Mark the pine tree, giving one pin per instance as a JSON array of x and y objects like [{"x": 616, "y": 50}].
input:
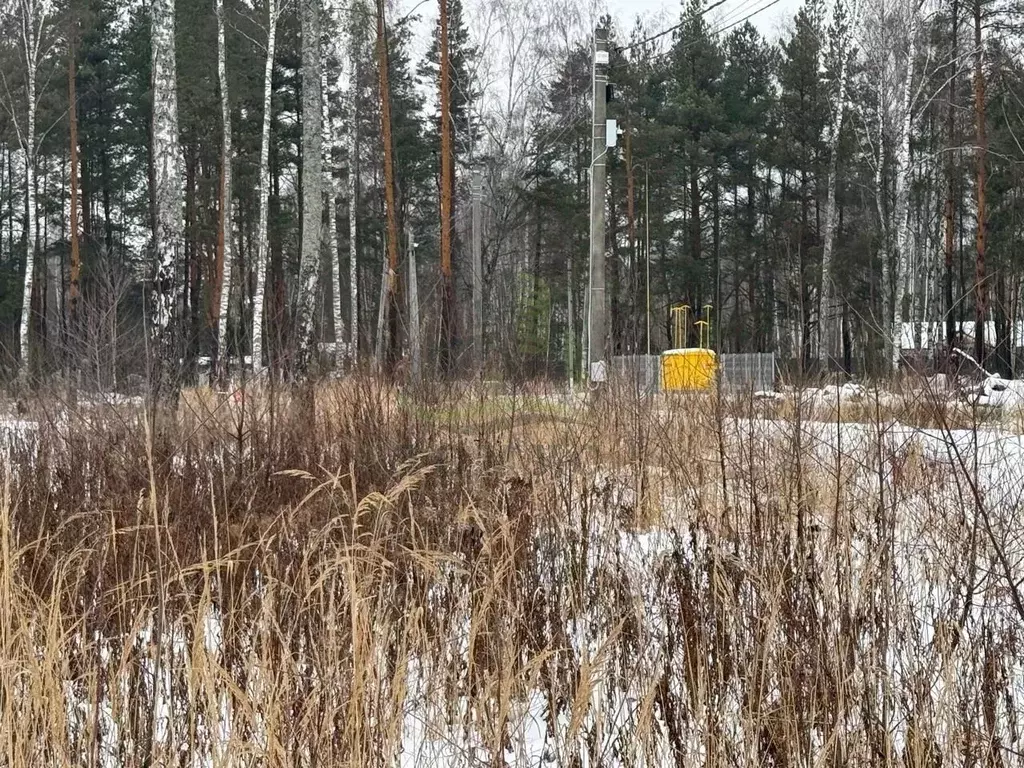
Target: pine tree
[
  {"x": 804, "y": 113},
  {"x": 695, "y": 111}
]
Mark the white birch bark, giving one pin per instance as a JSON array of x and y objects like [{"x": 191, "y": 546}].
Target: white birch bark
[
  {"x": 263, "y": 243},
  {"x": 228, "y": 263},
  {"x": 167, "y": 170},
  {"x": 883, "y": 248},
  {"x": 353, "y": 188},
  {"x": 30, "y": 235},
  {"x": 33, "y": 15},
  {"x": 902, "y": 162},
  {"x": 333, "y": 236},
  {"x": 828, "y": 336},
  {"x": 312, "y": 173}
]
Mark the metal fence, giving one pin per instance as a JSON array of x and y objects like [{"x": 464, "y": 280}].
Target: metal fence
[
  {"x": 752, "y": 372},
  {"x": 641, "y": 373},
  {"x": 739, "y": 372}
]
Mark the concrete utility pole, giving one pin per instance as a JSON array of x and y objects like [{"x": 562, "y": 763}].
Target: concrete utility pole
[
  {"x": 478, "y": 270},
  {"x": 596, "y": 340},
  {"x": 414, "y": 308}
]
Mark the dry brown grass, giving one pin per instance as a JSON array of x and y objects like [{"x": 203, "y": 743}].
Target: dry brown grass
[{"x": 341, "y": 575}]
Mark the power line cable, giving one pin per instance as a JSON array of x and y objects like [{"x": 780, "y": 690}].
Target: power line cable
[
  {"x": 720, "y": 30},
  {"x": 670, "y": 30}
]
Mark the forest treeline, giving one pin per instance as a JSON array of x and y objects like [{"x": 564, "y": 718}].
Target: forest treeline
[{"x": 284, "y": 183}]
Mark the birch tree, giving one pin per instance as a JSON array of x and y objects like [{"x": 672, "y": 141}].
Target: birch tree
[
  {"x": 903, "y": 179},
  {"x": 225, "y": 249},
  {"x": 263, "y": 244},
  {"x": 891, "y": 78},
  {"x": 312, "y": 172},
  {"x": 167, "y": 192},
  {"x": 354, "y": 40},
  {"x": 842, "y": 27},
  {"x": 332, "y": 223},
  {"x": 33, "y": 18}
]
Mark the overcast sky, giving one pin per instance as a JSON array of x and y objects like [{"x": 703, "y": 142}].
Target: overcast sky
[
  {"x": 771, "y": 17},
  {"x": 769, "y": 21}
]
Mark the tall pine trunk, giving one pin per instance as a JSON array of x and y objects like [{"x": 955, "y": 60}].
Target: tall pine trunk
[
  {"x": 167, "y": 195},
  {"x": 225, "y": 248},
  {"x": 312, "y": 175},
  {"x": 262, "y": 240}
]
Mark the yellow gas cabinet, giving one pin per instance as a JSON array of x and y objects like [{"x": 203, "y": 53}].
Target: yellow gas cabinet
[{"x": 689, "y": 368}]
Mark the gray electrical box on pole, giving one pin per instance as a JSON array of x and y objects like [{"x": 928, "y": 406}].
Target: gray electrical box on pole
[{"x": 597, "y": 344}]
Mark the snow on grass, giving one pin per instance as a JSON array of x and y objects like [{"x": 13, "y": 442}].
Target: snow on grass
[{"x": 655, "y": 609}]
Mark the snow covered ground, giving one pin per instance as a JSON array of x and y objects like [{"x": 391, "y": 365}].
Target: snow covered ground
[{"x": 683, "y": 638}]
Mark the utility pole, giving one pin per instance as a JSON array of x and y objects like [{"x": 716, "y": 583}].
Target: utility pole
[
  {"x": 414, "y": 307},
  {"x": 478, "y": 271},
  {"x": 596, "y": 341}
]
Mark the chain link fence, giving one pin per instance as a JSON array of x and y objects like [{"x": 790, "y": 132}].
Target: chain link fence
[
  {"x": 739, "y": 372},
  {"x": 749, "y": 372},
  {"x": 640, "y": 373}
]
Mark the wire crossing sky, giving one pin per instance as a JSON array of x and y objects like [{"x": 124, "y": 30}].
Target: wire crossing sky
[{"x": 668, "y": 12}]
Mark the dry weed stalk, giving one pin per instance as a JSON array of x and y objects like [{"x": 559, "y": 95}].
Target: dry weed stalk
[{"x": 361, "y": 576}]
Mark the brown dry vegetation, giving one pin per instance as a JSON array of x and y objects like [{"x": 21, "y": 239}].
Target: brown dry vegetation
[{"x": 352, "y": 575}]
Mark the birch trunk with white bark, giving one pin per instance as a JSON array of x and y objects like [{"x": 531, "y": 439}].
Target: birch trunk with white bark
[
  {"x": 33, "y": 17},
  {"x": 902, "y": 162},
  {"x": 312, "y": 174},
  {"x": 828, "y": 328},
  {"x": 30, "y": 233},
  {"x": 353, "y": 190},
  {"x": 333, "y": 235},
  {"x": 226, "y": 260},
  {"x": 883, "y": 221},
  {"x": 167, "y": 192},
  {"x": 263, "y": 244}
]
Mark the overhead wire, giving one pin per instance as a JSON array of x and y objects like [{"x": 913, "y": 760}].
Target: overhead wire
[
  {"x": 670, "y": 30},
  {"x": 719, "y": 30}
]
